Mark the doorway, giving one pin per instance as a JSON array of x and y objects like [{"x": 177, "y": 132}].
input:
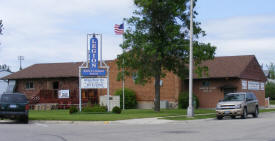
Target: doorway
[
  {"x": 229, "y": 90},
  {"x": 92, "y": 96}
]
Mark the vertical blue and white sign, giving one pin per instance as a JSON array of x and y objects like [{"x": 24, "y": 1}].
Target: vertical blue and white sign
[
  {"x": 93, "y": 53},
  {"x": 93, "y": 69}
]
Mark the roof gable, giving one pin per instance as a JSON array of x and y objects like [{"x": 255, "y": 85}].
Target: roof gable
[
  {"x": 52, "y": 70},
  {"x": 253, "y": 71},
  {"x": 228, "y": 66}
]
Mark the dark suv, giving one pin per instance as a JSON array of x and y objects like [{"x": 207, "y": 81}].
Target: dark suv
[
  {"x": 14, "y": 106},
  {"x": 238, "y": 104}
]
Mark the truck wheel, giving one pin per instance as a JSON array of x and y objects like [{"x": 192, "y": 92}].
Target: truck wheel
[
  {"x": 25, "y": 119},
  {"x": 256, "y": 113},
  {"x": 219, "y": 117},
  {"x": 244, "y": 113}
]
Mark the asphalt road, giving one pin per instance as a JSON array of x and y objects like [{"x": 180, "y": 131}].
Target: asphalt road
[{"x": 251, "y": 129}]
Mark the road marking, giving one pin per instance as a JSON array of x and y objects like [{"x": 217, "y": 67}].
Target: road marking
[{"x": 41, "y": 125}]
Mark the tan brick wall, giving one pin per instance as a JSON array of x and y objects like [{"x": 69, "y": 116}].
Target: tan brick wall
[
  {"x": 209, "y": 96},
  {"x": 43, "y": 84},
  {"x": 260, "y": 94},
  {"x": 169, "y": 90}
]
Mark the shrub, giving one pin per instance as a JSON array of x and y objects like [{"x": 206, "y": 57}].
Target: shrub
[
  {"x": 116, "y": 110},
  {"x": 73, "y": 109},
  {"x": 183, "y": 100},
  {"x": 130, "y": 98},
  {"x": 270, "y": 90},
  {"x": 95, "y": 109}
]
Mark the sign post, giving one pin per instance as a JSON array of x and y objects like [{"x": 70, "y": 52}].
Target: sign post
[{"x": 91, "y": 76}]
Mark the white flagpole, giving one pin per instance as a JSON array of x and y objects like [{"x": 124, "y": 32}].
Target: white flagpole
[
  {"x": 190, "y": 110},
  {"x": 123, "y": 95}
]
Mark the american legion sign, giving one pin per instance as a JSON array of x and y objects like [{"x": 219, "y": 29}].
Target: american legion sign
[
  {"x": 93, "y": 69},
  {"x": 91, "y": 76}
]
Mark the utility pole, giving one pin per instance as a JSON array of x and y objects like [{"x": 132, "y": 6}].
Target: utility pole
[
  {"x": 20, "y": 58},
  {"x": 190, "y": 110}
]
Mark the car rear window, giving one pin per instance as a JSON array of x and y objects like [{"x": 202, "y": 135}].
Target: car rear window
[{"x": 13, "y": 98}]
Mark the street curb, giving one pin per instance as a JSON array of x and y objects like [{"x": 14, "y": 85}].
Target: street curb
[{"x": 68, "y": 122}]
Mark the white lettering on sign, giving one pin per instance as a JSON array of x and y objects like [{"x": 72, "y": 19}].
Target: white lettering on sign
[
  {"x": 88, "y": 83},
  {"x": 64, "y": 94},
  {"x": 253, "y": 85},
  {"x": 262, "y": 86},
  {"x": 244, "y": 84}
]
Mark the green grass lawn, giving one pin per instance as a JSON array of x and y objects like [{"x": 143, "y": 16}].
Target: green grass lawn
[
  {"x": 126, "y": 114},
  {"x": 272, "y": 102},
  {"x": 173, "y": 114}
]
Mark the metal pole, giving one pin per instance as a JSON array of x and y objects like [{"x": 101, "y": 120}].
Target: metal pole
[
  {"x": 20, "y": 58},
  {"x": 100, "y": 50},
  {"x": 79, "y": 83},
  {"x": 108, "y": 89},
  {"x": 87, "y": 64},
  {"x": 190, "y": 111},
  {"x": 123, "y": 83}
]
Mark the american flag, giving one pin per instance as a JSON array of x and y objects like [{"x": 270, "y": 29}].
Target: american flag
[{"x": 119, "y": 29}]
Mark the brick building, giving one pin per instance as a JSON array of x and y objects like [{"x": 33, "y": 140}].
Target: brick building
[{"x": 225, "y": 74}]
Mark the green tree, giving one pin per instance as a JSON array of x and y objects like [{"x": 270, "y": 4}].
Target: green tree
[
  {"x": 130, "y": 98},
  {"x": 5, "y": 67},
  {"x": 1, "y": 27},
  {"x": 270, "y": 90},
  {"x": 271, "y": 69},
  {"x": 157, "y": 42}
]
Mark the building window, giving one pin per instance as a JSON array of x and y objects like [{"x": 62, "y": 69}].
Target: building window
[
  {"x": 134, "y": 77},
  {"x": 55, "y": 85},
  {"x": 205, "y": 83},
  {"x": 29, "y": 85}
]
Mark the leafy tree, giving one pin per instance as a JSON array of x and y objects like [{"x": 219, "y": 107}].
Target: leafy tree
[
  {"x": 5, "y": 67},
  {"x": 1, "y": 27},
  {"x": 271, "y": 69},
  {"x": 157, "y": 42},
  {"x": 270, "y": 90},
  {"x": 130, "y": 98}
]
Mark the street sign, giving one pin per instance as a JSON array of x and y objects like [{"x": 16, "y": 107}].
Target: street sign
[{"x": 64, "y": 94}]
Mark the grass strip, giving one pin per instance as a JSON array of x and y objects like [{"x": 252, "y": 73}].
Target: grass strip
[
  {"x": 272, "y": 102},
  {"x": 126, "y": 114},
  {"x": 172, "y": 114}
]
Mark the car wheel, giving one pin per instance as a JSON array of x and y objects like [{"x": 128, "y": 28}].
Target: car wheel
[
  {"x": 219, "y": 117},
  {"x": 25, "y": 119},
  {"x": 233, "y": 117},
  {"x": 256, "y": 113},
  {"x": 244, "y": 113}
]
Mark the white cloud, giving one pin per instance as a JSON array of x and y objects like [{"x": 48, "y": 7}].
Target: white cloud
[
  {"x": 240, "y": 27},
  {"x": 254, "y": 35},
  {"x": 55, "y": 31}
]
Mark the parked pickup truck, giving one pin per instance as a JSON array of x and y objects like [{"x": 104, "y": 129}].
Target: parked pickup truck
[{"x": 14, "y": 106}]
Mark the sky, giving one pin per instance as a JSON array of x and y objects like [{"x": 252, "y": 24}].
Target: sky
[{"x": 50, "y": 31}]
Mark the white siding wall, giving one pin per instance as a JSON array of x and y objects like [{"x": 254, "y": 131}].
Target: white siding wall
[{"x": 3, "y": 83}]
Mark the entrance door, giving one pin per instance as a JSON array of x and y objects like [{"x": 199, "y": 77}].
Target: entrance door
[
  {"x": 229, "y": 90},
  {"x": 92, "y": 96}
]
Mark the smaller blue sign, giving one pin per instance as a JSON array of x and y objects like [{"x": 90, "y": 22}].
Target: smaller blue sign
[{"x": 93, "y": 72}]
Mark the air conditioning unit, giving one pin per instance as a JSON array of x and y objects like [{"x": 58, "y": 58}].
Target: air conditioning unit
[{"x": 164, "y": 104}]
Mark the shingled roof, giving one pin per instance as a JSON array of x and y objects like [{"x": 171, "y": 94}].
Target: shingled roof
[
  {"x": 246, "y": 67},
  {"x": 51, "y": 70}
]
